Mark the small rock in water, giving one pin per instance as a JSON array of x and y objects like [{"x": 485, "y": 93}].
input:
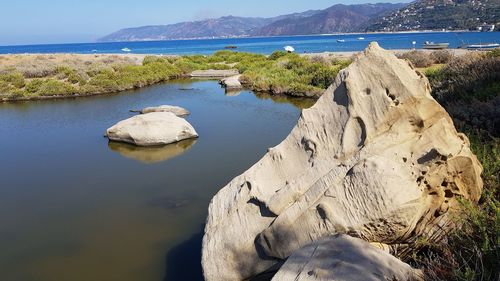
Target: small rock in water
[
  {"x": 232, "y": 83},
  {"x": 177, "y": 110},
  {"x": 156, "y": 128}
]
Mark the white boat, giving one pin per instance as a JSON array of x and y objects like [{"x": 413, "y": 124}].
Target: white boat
[
  {"x": 435, "y": 46},
  {"x": 126, "y": 50},
  {"x": 289, "y": 49},
  {"x": 361, "y": 38},
  {"x": 488, "y": 46},
  {"x": 340, "y": 40}
]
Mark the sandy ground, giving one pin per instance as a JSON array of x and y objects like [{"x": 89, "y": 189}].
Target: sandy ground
[{"x": 15, "y": 59}]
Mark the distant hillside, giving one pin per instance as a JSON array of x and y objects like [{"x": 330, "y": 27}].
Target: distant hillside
[
  {"x": 221, "y": 27},
  {"x": 439, "y": 14},
  {"x": 338, "y": 18}
]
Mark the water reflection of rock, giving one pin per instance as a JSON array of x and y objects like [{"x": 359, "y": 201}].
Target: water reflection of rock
[
  {"x": 233, "y": 93},
  {"x": 298, "y": 102},
  {"x": 151, "y": 155}
]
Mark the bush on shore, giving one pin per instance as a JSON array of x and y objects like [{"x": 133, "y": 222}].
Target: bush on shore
[
  {"x": 280, "y": 73},
  {"x": 291, "y": 74}
]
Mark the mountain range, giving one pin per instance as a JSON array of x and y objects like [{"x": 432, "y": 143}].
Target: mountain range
[
  {"x": 418, "y": 15},
  {"x": 338, "y": 18}
]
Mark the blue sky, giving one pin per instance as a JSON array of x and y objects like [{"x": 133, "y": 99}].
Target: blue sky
[{"x": 58, "y": 21}]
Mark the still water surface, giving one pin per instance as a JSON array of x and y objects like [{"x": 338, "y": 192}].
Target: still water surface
[{"x": 75, "y": 208}]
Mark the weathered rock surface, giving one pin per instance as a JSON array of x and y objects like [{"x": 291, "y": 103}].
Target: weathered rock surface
[
  {"x": 177, "y": 110},
  {"x": 157, "y": 128},
  {"x": 214, "y": 73},
  {"x": 232, "y": 83},
  {"x": 376, "y": 157},
  {"x": 344, "y": 258}
]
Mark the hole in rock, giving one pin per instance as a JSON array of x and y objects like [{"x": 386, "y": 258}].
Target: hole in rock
[{"x": 264, "y": 210}]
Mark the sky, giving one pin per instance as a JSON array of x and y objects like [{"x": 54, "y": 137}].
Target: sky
[{"x": 73, "y": 21}]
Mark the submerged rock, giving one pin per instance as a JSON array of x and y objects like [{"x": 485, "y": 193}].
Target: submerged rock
[
  {"x": 157, "y": 128},
  {"x": 344, "y": 258},
  {"x": 376, "y": 157},
  {"x": 177, "y": 110}
]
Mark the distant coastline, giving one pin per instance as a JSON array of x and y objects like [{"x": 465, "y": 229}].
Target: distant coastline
[
  {"x": 297, "y": 35},
  {"x": 312, "y": 43}
]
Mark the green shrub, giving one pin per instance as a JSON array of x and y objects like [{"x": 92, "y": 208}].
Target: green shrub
[
  {"x": 15, "y": 79},
  {"x": 277, "y": 55},
  {"x": 50, "y": 87}
]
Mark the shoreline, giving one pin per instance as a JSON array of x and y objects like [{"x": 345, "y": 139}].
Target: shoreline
[
  {"x": 249, "y": 37},
  {"x": 137, "y": 56}
]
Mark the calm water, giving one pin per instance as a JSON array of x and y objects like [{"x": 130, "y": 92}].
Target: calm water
[
  {"x": 266, "y": 45},
  {"x": 75, "y": 208}
]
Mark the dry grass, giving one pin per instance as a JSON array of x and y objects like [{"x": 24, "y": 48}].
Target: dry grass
[{"x": 37, "y": 66}]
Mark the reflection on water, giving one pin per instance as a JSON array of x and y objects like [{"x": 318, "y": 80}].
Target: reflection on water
[
  {"x": 151, "y": 155},
  {"x": 233, "y": 93},
  {"x": 301, "y": 103},
  {"x": 73, "y": 208}
]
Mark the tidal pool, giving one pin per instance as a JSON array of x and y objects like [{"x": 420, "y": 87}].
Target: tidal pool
[{"x": 74, "y": 207}]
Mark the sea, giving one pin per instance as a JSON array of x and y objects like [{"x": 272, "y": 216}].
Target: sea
[{"x": 265, "y": 45}]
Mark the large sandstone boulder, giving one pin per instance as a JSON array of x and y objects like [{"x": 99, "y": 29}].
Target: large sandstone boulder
[
  {"x": 376, "y": 157},
  {"x": 157, "y": 128},
  {"x": 177, "y": 110},
  {"x": 344, "y": 258}
]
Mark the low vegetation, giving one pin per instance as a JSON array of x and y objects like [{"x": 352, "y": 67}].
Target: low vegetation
[
  {"x": 50, "y": 76},
  {"x": 422, "y": 59},
  {"x": 468, "y": 87}
]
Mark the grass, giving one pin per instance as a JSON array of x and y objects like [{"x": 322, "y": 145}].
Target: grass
[
  {"x": 26, "y": 77},
  {"x": 290, "y": 74}
]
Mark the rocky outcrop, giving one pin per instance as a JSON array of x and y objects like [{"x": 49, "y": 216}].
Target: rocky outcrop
[
  {"x": 232, "y": 83},
  {"x": 376, "y": 157},
  {"x": 177, "y": 110},
  {"x": 157, "y": 128},
  {"x": 344, "y": 258},
  {"x": 214, "y": 73}
]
